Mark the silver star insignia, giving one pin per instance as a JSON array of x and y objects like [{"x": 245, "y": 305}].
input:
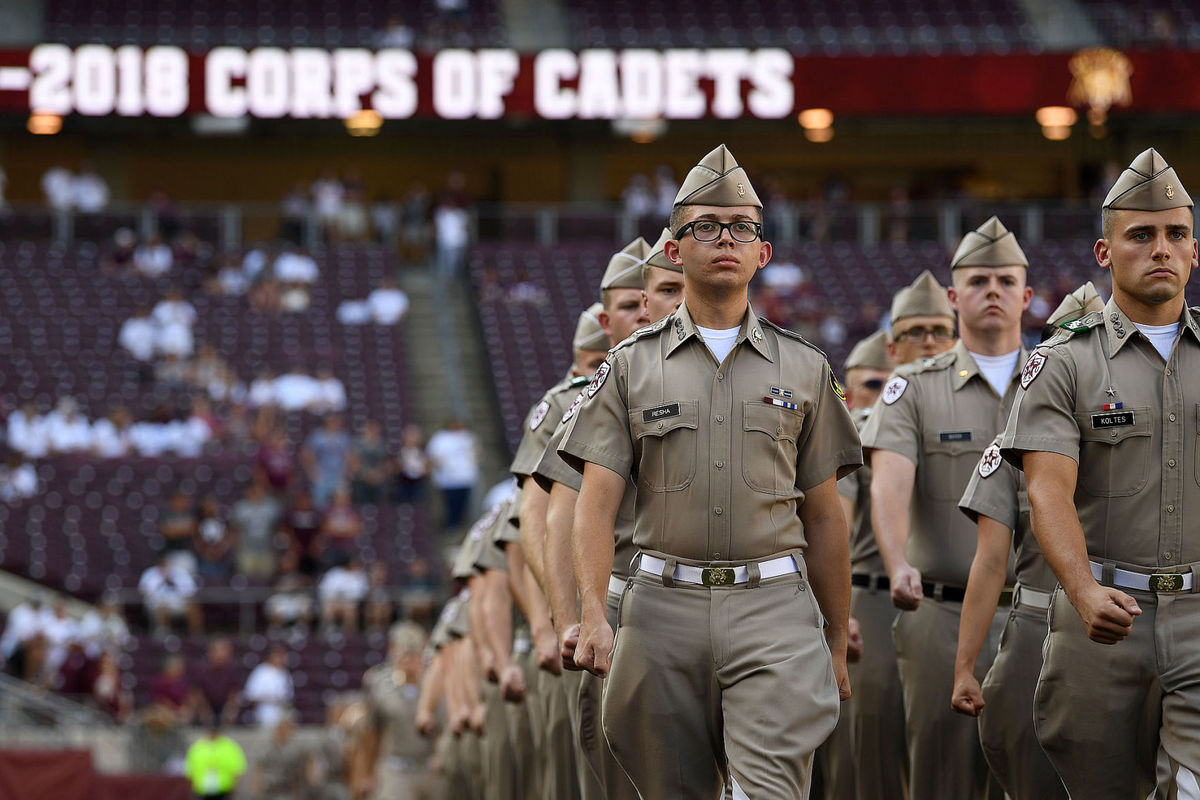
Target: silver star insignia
[{"x": 1111, "y": 392}]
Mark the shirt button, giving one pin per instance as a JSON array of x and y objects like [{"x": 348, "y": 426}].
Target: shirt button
[
  {"x": 660, "y": 426},
  {"x": 721, "y": 376},
  {"x": 720, "y": 465},
  {"x": 1170, "y": 509},
  {"x": 1172, "y": 418},
  {"x": 1112, "y": 434},
  {"x": 720, "y": 418},
  {"x": 1167, "y": 556},
  {"x": 1168, "y": 370},
  {"x": 1171, "y": 463},
  {"x": 718, "y": 511},
  {"x": 716, "y": 556}
]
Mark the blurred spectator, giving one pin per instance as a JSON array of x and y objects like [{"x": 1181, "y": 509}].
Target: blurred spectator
[
  {"x": 156, "y": 740},
  {"x": 388, "y": 304},
  {"x": 58, "y": 185},
  {"x": 378, "y": 607},
  {"x": 412, "y": 466},
  {"x": 294, "y": 209},
  {"x": 294, "y": 298},
  {"x": 454, "y": 457},
  {"x": 171, "y": 372},
  {"x": 119, "y": 259},
  {"x": 255, "y": 518},
  {"x": 397, "y": 34},
  {"x": 177, "y": 524},
  {"x": 108, "y": 691},
  {"x": 169, "y": 689},
  {"x": 352, "y": 222},
  {"x": 75, "y": 674},
  {"x": 331, "y": 392},
  {"x": 420, "y": 590},
  {"x": 153, "y": 258},
  {"x": 325, "y": 456},
  {"x": 214, "y": 764},
  {"x": 279, "y": 773},
  {"x": 341, "y": 592},
  {"x": 229, "y": 279},
  {"x": 295, "y": 266},
  {"x": 175, "y": 317},
  {"x": 302, "y": 523},
  {"x": 369, "y": 465},
  {"x": 274, "y": 461},
  {"x": 637, "y": 199},
  {"x": 254, "y": 262},
  {"x": 27, "y": 432},
  {"x": 262, "y": 389},
  {"x": 103, "y": 629},
  {"x": 67, "y": 429},
  {"x": 167, "y": 591},
  {"x": 452, "y": 225},
  {"x": 269, "y": 688},
  {"x": 414, "y": 223},
  {"x": 23, "y": 644},
  {"x": 166, "y": 215},
  {"x": 213, "y": 375},
  {"x": 89, "y": 190},
  {"x": 385, "y": 219},
  {"x": 139, "y": 335},
  {"x": 665, "y": 189},
  {"x": 213, "y": 540},
  {"x": 18, "y": 479},
  {"x": 60, "y": 629},
  {"x": 291, "y": 602},
  {"x": 264, "y": 295},
  {"x": 295, "y": 390},
  {"x": 327, "y": 193},
  {"x": 898, "y": 214},
  {"x": 216, "y": 684},
  {"x": 833, "y": 331},
  {"x": 340, "y": 528}
]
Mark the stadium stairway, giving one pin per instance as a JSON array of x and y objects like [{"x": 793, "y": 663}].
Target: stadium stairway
[{"x": 1061, "y": 24}]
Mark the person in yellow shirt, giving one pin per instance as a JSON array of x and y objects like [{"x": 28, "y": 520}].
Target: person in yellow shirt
[{"x": 214, "y": 764}]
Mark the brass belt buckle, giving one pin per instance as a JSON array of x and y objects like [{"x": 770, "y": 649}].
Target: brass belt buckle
[
  {"x": 716, "y": 576},
  {"x": 1166, "y": 582}
]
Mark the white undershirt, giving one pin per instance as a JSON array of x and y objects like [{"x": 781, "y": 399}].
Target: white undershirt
[
  {"x": 1161, "y": 336},
  {"x": 719, "y": 342},
  {"x": 997, "y": 370}
]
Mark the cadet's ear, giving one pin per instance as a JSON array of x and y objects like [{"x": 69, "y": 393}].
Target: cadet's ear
[
  {"x": 1103, "y": 254},
  {"x": 671, "y": 251}
]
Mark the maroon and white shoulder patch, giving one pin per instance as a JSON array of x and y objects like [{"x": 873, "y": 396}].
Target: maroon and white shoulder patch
[
  {"x": 571, "y": 409},
  {"x": 539, "y": 415},
  {"x": 1032, "y": 367},
  {"x": 990, "y": 461},
  {"x": 894, "y": 389},
  {"x": 598, "y": 379}
]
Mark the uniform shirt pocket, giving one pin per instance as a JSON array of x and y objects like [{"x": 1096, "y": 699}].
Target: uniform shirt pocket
[
  {"x": 951, "y": 456},
  {"x": 769, "y": 446},
  {"x": 1113, "y": 461},
  {"x": 666, "y": 434}
]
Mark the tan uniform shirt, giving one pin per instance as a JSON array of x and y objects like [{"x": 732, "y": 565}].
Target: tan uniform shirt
[
  {"x": 541, "y": 422},
  {"x": 856, "y": 487},
  {"x": 393, "y": 707},
  {"x": 1138, "y": 490},
  {"x": 721, "y": 470},
  {"x": 940, "y": 413},
  {"x": 997, "y": 490},
  {"x": 490, "y": 554},
  {"x": 472, "y": 545},
  {"x": 440, "y": 636}
]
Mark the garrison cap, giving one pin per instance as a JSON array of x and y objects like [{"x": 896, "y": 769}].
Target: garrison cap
[
  {"x": 588, "y": 333},
  {"x": 924, "y": 297},
  {"x": 1083, "y": 300},
  {"x": 406, "y": 637},
  {"x": 717, "y": 181},
  {"x": 870, "y": 353},
  {"x": 658, "y": 258},
  {"x": 989, "y": 245},
  {"x": 625, "y": 268},
  {"x": 1149, "y": 183}
]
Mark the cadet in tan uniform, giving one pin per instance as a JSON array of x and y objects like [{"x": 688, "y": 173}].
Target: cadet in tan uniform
[
  {"x": 1107, "y": 430},
  {"x": 922, "y": 326},
  {"x": 400, "y": 755},
  {"x": 996, "y": 501},
  {"x": 735, "y": 432},
  {"x": 925, "y": 437},
  {"x": 602, "y": 777}
]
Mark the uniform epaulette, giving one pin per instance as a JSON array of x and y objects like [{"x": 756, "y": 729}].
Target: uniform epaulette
[
  {"x": 642, "y": 333},
  {"x": 791, "y": 335},
  {"x": 932, "y": 363},
  {"x": 577, "y": 382},
  {"x": 1084, "y": 323}
]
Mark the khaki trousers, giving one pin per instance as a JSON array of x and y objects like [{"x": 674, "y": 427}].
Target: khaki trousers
[
  {"x": 560, "y": 778},
  {"x": 1006, "y": 725},
  {"x": 707, "y": 682},
  {"x": 1102, "y": 711},
  {"x": 834, "y": 768},
  {"x": 499, "y": 757},
  {"x": 468, "y": 750},
  {"x": 945, "y": 757},
  {"x": 521, "y": 727},
  {"x": 395, "y": 783},
  {"x": 876, "y": 707}
]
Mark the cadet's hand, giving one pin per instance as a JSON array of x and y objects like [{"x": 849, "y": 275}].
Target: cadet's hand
[
  {"x": 966, "y": 698},
  {"x": 460, "y": 722},
  {"x": 488, "y": 662},
  {"x": 595, "y": 646},
  {"x": 854, "y": 642},
  {"x": 425, "y": 724},
  {"x": 1107, "y": 614},
  {"x": 512, "y": 684},
  {"x": 906, "y": 588},
  {"x": 570, "y": 639},
  {"x": 842, "y": 675},
  {"x": 545, "y": 643}
]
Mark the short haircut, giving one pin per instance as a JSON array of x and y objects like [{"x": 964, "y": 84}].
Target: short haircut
[{"x": 1108, "y": 220}]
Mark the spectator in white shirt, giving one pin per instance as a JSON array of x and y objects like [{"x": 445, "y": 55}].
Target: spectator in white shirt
[
  {"x": 327, "y": 192},
  {"x": 293, "y": 266},
  {"x": 331, "y": 392},
  {"x": 454, "y": 456},
  {"x": 58, "y": 184},
  {"x": 387, "y": 303},
  {"x": 103, "y": 629},
  {"x": 18, "y": 479},
  {"x": 262, "y": 390},
  {"x": 139, "y": 335},
  {"x": 68, "y": 430},
  {"x": 341, "y": 592},
  {"x": 269, "y": 688},
  {"x": 110, "y": 435},
  {"x": 175, "y": 317},
  {"x": 60, "y": 630},
  {"x": 90, "y": 190},
  {"x": 23, "y": 644},
  {"x": 296, "y": 390},
  {"x": 168, "y": 591},
  {"x": 153, "y": 258},
  {"x": 27, "y": 432},
  {"x": 150, "y": 439}
]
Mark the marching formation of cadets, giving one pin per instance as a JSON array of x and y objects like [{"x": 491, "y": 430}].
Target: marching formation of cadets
[{"x": 720, "y": 597}]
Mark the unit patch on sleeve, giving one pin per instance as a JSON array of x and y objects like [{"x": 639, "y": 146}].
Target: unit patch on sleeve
[
  {"x": 539, "y": 415},
  {"x": 598, "y": 380},
  {"x": 571, "y": 409},
  {"x": 1032, "y": 367},
  {"x": 894, "y": 389},
  {"x": 990, "y": 461}
]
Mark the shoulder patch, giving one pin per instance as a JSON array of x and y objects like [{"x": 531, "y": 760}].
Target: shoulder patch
[
  {"x": 598, "y": 379},
  {"x": 571, "y": 409},
  {"x": 579, "y": 381},
  {"x": 833, "y": 384},
  {"x": 894, "y": 390},
  {"x": 539, "y": 415},
  {"x": 1033, "y": 366},
  {"x": 1084, "y": 323},
  {"x": 990, "y": 461}
]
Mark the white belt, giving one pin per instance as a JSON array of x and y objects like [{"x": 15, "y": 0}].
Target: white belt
[
  {"x": 719, "y": 576},
  {"x": 1031, "y": 598},
  {"x": 1147, "y": 582},
  {"x": 616, "y": 586}
]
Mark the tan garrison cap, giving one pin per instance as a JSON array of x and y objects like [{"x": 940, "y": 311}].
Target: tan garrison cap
[
  {"x": 658, "y": 258},
  {"x": 588, "y": 333},
  {"x": 407, "y": 637},
  {"x": 717, "y": 181},
  {"x": 870, "y": 353},
  {"x": 625, "y": 268},
  {"x": 1149, "y": 183},
  {"x": 924, "y": 297},
  {"x": 989, "y": 245},
  {"x": 1083, "y": 300}
]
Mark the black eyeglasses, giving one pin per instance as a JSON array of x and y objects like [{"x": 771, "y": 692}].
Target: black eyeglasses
[
  {"x": 873, "y": 384},
  {"x": 709, "y": 230},
  {"x": 918, "y": 335}
]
